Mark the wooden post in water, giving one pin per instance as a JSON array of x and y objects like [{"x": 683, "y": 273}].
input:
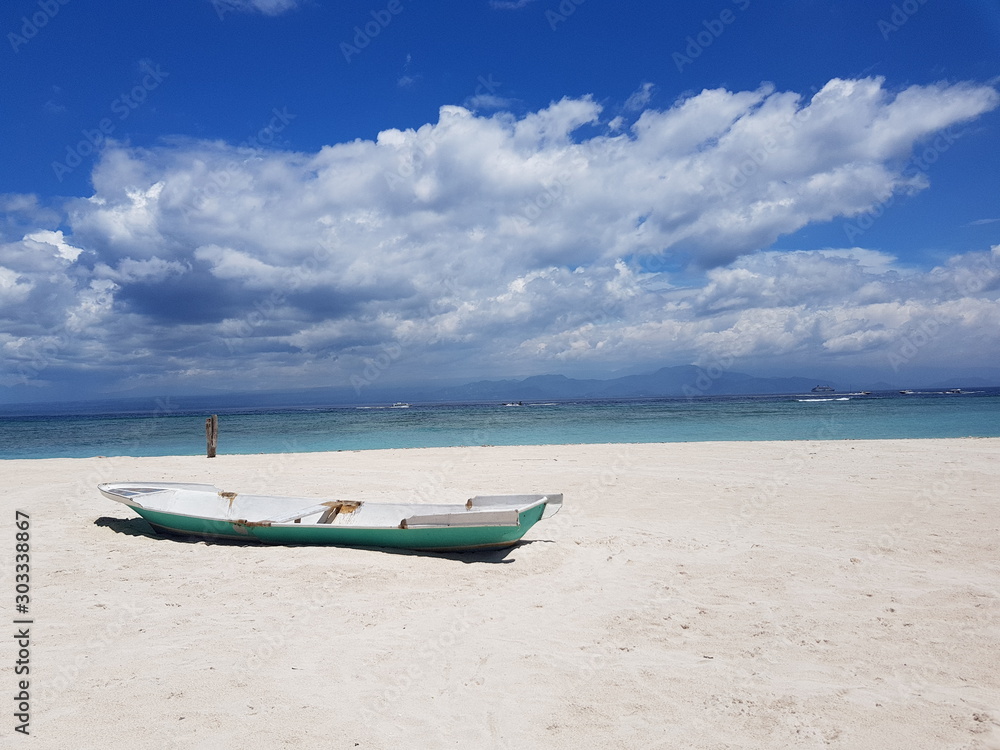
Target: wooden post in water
[{"x": 212, "y": 434}]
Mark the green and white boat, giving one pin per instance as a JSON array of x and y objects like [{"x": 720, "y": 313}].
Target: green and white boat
[{"x": 482, "y": 522}]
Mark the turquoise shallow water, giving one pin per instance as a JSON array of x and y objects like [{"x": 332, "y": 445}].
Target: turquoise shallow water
[{"x": 163, "y": 431}]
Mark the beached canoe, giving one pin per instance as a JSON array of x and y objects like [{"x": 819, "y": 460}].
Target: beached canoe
[{"x": 204, "y": 510}]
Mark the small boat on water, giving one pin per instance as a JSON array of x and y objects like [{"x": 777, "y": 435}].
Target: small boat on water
[
  {"x": 485, "y": 521},
  {"x": 823, "y": 389}
]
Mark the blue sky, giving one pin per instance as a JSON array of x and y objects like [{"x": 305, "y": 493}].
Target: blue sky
[{"x": 270, "y": 194}]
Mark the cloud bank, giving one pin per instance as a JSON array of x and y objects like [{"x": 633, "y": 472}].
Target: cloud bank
[{"x": 499, "y": 245}]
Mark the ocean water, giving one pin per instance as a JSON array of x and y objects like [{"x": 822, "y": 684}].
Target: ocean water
[{"x": 163, "y": 431}]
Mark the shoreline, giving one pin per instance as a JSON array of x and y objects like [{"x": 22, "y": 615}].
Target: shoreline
[
  {"x": 840, "y": 593},
  {"x": 195, "y": 456}
]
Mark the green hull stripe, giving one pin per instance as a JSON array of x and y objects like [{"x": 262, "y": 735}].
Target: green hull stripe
[{"x": 449, "y": 538}]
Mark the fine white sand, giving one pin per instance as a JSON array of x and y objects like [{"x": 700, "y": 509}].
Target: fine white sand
[{"x": 698, "y": 595}]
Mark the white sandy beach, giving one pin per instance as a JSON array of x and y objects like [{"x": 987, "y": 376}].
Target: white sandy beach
[{"x": 695, "y": 595}]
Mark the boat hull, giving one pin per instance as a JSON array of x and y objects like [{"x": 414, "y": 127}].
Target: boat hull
[
  {"x": 205, "y": 511},
  {"x": 429, "y": 539}
]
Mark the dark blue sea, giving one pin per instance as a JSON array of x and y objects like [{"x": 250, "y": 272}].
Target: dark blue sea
[{"x": 162, "y": 429}]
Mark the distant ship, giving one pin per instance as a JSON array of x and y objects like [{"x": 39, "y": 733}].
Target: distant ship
[{"x": 823, "y": 389}]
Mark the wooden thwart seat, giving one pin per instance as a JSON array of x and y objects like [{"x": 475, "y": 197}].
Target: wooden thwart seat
[{"x": 329, "y": 511}]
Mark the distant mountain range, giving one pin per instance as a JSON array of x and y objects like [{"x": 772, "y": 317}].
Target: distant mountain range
[
  {"x": 667, "y": 382},
  {"x": 683, "y": 380}
]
